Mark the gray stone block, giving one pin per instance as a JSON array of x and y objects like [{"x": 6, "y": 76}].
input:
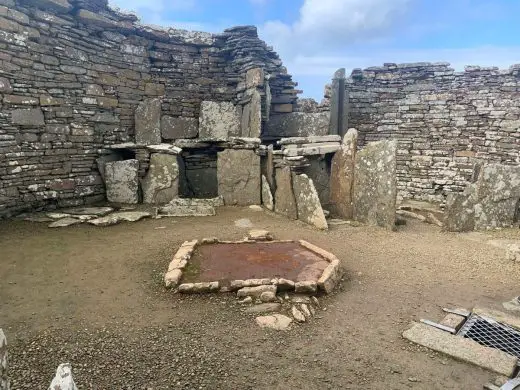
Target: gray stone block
[
  {"x": 179, "y": 127},
  {"x": 121, "y": 181},
  {"x": 148, "y": 122},
  {"x": 298, "y": 124},
  {"x": 28, "y": 117},
  {"x": 284, "y": 201},
  {"x": 218, "y": 120}
]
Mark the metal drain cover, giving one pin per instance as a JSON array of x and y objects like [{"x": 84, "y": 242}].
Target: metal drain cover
[{"x": 491, "y": 333}]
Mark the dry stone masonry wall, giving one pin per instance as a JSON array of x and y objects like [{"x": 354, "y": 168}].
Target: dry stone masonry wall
[
  {"x": 74, "y": 72},
  {"x": 444, "y": 121}
]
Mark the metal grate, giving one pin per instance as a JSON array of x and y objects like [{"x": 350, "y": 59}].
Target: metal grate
[{"x": 491, "y": 333}]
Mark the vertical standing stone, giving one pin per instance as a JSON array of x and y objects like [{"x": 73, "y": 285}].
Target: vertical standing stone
[
  {"x": 161, "y": 183},
  {"x": 4, "y": 381},
  {"x": 255, "y": 115},
  {"x": 148, "y": 122},
  {"x": 338, "y": 104},
  {"x": 121, "y": 181},
  {"x": 267, "y": 196},
  {"x": 284, "y": 200},
  {"x": 238, "y": 174},
  {"x": 308, "y": 202},
  {"x": 342, "y": 177},
  {"x": 269, "y": 168},
  {"x": 375, "y": 187},
  {"x": 63, "y": 379}
]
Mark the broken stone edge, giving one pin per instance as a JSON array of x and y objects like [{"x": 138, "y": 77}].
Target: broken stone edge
[{"x": 326, "y": 283}]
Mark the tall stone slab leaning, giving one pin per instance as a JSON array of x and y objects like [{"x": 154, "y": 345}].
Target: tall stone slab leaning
[
  {"x": 148, "y": 122},
  {"x": 121, "y": 181},
  {"x": 284, "y": 200},
  {"x": 4, "y": 381},
  {"x": 342, "y": 177},
  {"x": 238, "y": 174},
  {"x": 375, "y": 184},
  {"x": 308, "y": 202},
  {"x": 63, "y": 379},
  {"x": 161, "y": 183}
]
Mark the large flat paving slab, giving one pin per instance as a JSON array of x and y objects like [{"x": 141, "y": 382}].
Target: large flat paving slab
[{"x": 460, "y": 348}]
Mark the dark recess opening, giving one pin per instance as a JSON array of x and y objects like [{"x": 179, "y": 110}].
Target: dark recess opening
[{"x": 198, "y": 174}]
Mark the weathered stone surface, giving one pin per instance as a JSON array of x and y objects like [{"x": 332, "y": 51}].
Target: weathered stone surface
[
  {"x": 264, "y": 308},
  {"x": 298, "y": 124},
  {"x": 259, "y": 235},
  {"x": 267, "y": 196},
  {"x": 268, "y": 296},
  {"x": 218, "y": 120},
  {"x": 308, "y": 202},
  {"x": 275, "y": 321},
  {"x": 98, "y": 211},
  {"x": 4, "y": 381},
  {"x": 513, "y": 252},
  {"x": 342, "y": 177},
  {"x": 306, "y": 287},
  {"x": 148, "y": 122},
  {"x": 172, "y": 278},
  {"x": 179, "y": 127},
  {"x": 490, "y": 203},
  {"x": 64, "y": 222},
  {"x": 338, "y": 104},
  {"x": 28, "y": 117},
  {"x": 243, "y": 223},
  {"x": 190, "y": 207},
  {"x": 297, "y": 314},
  {"x": 56, "y": 5},
  {"x": 161, "y": 183},
  {"x": 252, "y": 116},
  {"x": 285, "y": 201},
  {"x": 5, "y": 85},
  {"x": 375, "y": 186},
  {"x": 63, "y": 379},
  {"x": 101, "y": 161},
  {"x": 122, "y": 182},
  {"x": 255, "y": 292},
  {"x": 254, "y": 78},
  {"x": 461, "y": 348},
  {"x": 121, "y": 216},
  {"x": 238, "y": 173}
]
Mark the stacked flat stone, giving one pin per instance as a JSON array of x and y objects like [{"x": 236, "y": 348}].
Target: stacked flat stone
[
  {"x": 73, "y": 73},
  {"x": 444, "y": 121}
]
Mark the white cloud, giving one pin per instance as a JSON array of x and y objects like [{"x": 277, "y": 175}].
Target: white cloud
[{"x": 328, "y": 24}]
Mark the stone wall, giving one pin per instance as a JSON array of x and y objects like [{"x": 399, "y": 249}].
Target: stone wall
[
  {"x": 73, "y": 72},
  {"x": 444, "y": 121}
]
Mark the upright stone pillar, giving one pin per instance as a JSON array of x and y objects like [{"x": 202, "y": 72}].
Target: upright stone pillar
[
  {"x": 338, "y": 104},
  {"x": 342, "y": 177},
  {"x": 4, "y": 382},
  {"x": 239, "y": 178}
]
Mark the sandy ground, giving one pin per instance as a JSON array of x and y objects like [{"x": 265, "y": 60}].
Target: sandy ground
[{"x": 93, "y": 297}]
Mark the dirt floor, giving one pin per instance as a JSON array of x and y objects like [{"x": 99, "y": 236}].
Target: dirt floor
[{"x": 93, "y": 297}]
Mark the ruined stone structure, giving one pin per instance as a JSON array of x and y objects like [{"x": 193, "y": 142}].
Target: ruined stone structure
[
  {"x": 444, "y": 121},
  {"x": 77, "y": 78}
]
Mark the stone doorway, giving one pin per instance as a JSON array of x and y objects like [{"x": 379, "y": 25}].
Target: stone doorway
[{"x": 198, "y": 174}]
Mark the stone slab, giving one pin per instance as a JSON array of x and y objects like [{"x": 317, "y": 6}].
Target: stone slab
[
  {"x": 264, "y": 308},
  {"x": 122, "y": 182},
  {"x": 121, "y": 216},
  {"x": 63, "y": 379},
  {"x": 161, "y": 183},
  {"x": 267, "y": 196},
  {"x": 460, "y": 348},
  {"x": 28, "y": 117},
  {"x": 238, "y": 174},
  {"x": 342, "y": 177},
  {"x": 4, "y": 381},
  {"x": 285, "y": 201},
  {"x": 179, "y": 127},
  {"x": 218, "y": 120},
  {"x": 298, "y": 124},
  {"x": 275, "y": 321},
  {"x": 308, "y": 202},
  {"x": 148, "y": 122},
  {"x": 375, "y": 184},
  {"x": 65, "y": 222}
]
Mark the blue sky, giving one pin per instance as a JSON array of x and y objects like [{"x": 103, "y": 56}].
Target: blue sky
[{"x": 316, "y": 37}]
